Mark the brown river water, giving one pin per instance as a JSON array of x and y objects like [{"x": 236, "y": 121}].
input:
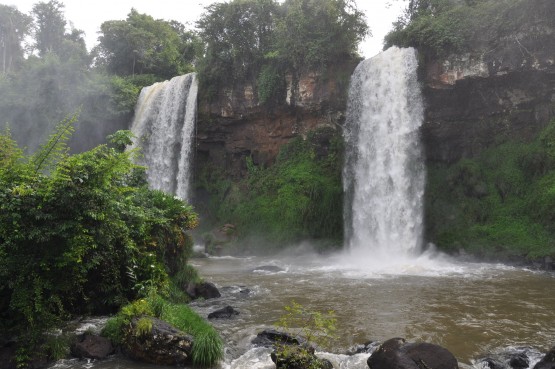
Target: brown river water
[{"x": 471, "y": 309}]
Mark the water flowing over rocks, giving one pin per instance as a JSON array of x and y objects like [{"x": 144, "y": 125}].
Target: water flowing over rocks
[
  {"x": 164, "y": 124},
  {"x": 164, "y": 345},
  {"x": 397, "y": 353},
  {"x": 383, "y": 176}
]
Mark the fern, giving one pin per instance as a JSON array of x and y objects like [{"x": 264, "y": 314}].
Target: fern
[{"x": 56, "y": 147}]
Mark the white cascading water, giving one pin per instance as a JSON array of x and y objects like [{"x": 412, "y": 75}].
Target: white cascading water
[
  {"x": 384, "y": 173},
  {"x": 164, "y": 126}
]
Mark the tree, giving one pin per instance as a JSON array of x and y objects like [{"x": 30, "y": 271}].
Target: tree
[
  {"x": 237, "y": 36},
  {"x": 142, "y": 45},
  {"x": 14, "y": 27},
  {"x": 314, "y": 33},
  {"x": 50, "y": 26}
]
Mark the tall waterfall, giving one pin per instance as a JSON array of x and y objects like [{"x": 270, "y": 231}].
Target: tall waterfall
[
  {"x": 164, "y": 125},
  {"x": 384, "y": 174}
]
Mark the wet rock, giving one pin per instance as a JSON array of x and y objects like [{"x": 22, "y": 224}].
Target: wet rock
[
  {"x": 218, "y": 239},
  {"x": 519, "y": 361},
  {"x": 268, "y": 268},
  {"x": 163, "y": 345},
  {"x": 397, "y": 353},
  {"x": 271, "y": 337},
  {"x": 205, "y": 290},
  {"x": 92, "y": 347},
  {"x": 223, "y": 313},
  {"x": 298, "y": 357},
  {"x": 491, "y": 363},
  {"x": 548, "y": 361}
]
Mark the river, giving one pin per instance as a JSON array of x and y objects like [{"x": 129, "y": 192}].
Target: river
[{"x": 472, "y": 309}]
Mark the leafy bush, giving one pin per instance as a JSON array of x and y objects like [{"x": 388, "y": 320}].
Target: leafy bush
[
  {"x": 500, "y": 202},
  {"x": 442, "y": 27},
  {"x": 80, "y": 215}
]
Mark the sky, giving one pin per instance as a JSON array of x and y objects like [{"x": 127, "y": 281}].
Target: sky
[{"x": 88, "y": 15}]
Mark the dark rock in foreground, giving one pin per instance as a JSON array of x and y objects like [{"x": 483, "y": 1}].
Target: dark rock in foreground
[
  {"x": 271, "y": 337},
  {"x": 205, "y": 290},
  {"x": 398, "y": 354},
  {"x": 164, "y": 345},
  {"x": 223, "y": 313},
  {"x": 92, "y": 347},
  {"x": 548, "y": 361}
]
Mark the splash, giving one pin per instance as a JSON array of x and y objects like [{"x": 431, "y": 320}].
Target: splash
[
  {"x": 164, "y": 124},
  {"x": 384, "y": 174}
]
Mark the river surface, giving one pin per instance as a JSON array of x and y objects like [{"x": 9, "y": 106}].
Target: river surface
[{"x": 471, "y": 309}]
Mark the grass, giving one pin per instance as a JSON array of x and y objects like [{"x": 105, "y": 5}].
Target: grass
[{"x": 207, "y": 345}]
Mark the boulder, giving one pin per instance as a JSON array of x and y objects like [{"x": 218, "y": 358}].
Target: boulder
[
  {"x": 548, "y": 361},
  {"x": 205, "y": 290},
  {"x": 163, "y": 345},
  {"x": 223, "y": 313},
  {"x": 397, "y": 353},
  {"x": 92, "y": 347},
  {"x": 271, "y": 337},
  {"x": 298, "y": 357},
  {"x": 366, "y": 348}
]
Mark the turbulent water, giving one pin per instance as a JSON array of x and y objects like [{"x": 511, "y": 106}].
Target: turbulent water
[
  {"x": 164, "y": 125},
  {"x": 471, "y": 309},
  {"x": 384, "y": 171}
]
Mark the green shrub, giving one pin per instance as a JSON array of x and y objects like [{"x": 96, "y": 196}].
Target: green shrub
[
  {"x": 299, "y": 197},
  {"x": 498, "y": 203}
]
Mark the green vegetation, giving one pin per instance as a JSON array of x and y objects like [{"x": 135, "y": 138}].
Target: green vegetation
[
  {"x": 257, "y": 42},
  {"x": 299, "y": 197},
  {"x": 208, "y": 346},
  {"x": 46, "y": 71},
  {"x": 441, "y": 27},
  {"x": 316, "y": 327},
  {"x": 499, "y": 203},
  {"x": 81, "y": 234}
]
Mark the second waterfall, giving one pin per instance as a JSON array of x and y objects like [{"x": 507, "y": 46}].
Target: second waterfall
[
  {"x": 384, "y": 173},
  {"x": 164, "y": 126}
]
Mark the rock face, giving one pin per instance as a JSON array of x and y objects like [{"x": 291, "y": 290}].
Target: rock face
[
  {"x": 92, "y": 347},
  {"x": 164, "y": 345},
  {"x": 397, "y": 353},
  {"x": 504, "y": 89},
  {"x": 234, "y": 126}
]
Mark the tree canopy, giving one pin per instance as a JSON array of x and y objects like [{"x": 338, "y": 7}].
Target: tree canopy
[
  {"x": 144, "y": 45},
  {"x": 259, "y": 40}
]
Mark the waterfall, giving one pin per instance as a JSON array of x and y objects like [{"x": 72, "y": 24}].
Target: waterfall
[
  {"x": 164, "y": 124},
  {"x": 384, "y": 173}
]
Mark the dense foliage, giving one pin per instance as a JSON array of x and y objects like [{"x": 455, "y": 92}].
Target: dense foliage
[
  {"x": 497, "y": 204},
  {"x": 81, "y": 233},
  {"x": 299, "y": 197},
  {"x": 44, "y": 76},
  {"x": 447, "y": 26},
  {"x": 259, "y": 41},
  {"x": 142, "y": 45}
]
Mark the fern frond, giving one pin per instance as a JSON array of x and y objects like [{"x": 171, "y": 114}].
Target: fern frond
[{"x": 56, "y": 147}]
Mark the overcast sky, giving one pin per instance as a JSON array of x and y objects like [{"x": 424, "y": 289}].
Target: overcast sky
[{"x": 87, "y": 15}]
